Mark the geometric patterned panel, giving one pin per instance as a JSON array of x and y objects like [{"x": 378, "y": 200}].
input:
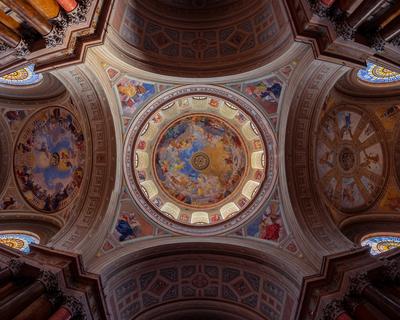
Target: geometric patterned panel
[
  {"x": 245, "y": 36},
  {"x": 188, "y": 281}
]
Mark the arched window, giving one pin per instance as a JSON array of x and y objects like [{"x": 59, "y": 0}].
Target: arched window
[
  {"x": 381, "y": 243},
  {"x": 19, "y": 240},
  {"x": 377, "y": 74},
  {"x": 22, "y": 77}
]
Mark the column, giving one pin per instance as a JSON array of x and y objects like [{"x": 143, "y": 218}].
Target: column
[
  {"x": 360, "y": 286},
  {"x": 363, "y": 11},
  {"x": 40, "y": 309},
  {"x": 30, "y": 15},
  {"x": 9, "y": 36},
  {"x": 358, "y": 309},
  {"x": 13, "y": 269},
  {"x": 47, "y": 282},
  {"x": 328, "y": 3},
  {"x": 68, "y": 5},
  {"x": 335, "y": 311},
  {"x": 72, "y": 307},
  {"x": 47, "y": 8},
  {"x": 9, "y": 21}
]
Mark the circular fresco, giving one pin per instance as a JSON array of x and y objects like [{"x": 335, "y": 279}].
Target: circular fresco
[
  {"x": 377, "y": 74},
  {"x": 18, "y": 240},
  {"x": 350, "y": 158},
  {"x": 381, "y": 243},
  {"x": 200, "y": 159},
  {"x": 22, "y": 77},
  {"x": 49, "y": 159}
]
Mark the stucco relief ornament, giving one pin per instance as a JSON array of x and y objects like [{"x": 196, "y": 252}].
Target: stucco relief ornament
[{"x": 200, "y": 159}]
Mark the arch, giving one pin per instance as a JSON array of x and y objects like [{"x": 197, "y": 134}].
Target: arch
[
  {"x": 97, "y": 200},
  {"x": 151, "y": 273},
  {"x": 310, "y": 221},
  {"x": 5, "y": 155},
  {"x": 199, "y": 310}
]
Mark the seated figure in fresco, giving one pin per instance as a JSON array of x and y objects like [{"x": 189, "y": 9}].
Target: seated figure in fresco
[
  {"x": 127, "y": 227},
  {"x": 270, "y": 227}
]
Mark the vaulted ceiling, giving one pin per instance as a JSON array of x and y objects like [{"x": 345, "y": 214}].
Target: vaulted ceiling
[{"x": 201, "y": 150}]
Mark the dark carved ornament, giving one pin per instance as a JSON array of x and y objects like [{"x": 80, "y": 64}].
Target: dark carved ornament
[
  {"x": 333, "y": 310},
  {"x": 358, "y": 283},
  {"x": 49, "y": 281},
  {"x": 15, "y": 266},
  {"x": 79, "y": 14},
  {"x": 336, "y": 16},
  {"x": 57, "y": 34},
  {"x": 391, "y": 271},
  {"x": 74, "y": 306}
]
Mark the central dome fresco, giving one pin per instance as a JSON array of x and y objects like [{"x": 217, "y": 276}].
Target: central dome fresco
[{"x": 200, "y": 159}]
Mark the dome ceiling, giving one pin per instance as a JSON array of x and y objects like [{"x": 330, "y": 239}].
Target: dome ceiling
[
  {"x": 350, "y": 158},
  {"x": 200, "y": 156},
  {"x": 49, "y": 159},
  {"x": 200, "y": 38}
]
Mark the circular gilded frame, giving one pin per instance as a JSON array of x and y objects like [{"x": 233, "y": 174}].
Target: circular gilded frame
[
  {"x": 350, "y": 162},
  {"x": 141, "y": 124}
]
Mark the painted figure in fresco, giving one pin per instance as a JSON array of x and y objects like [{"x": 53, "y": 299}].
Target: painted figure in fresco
[
  {"x": 132, "y": 93},
  {"x": 15, "y": 115},
  {"x": 270, "y": 226},
  {"x": 330, "y": 192},
  {"x": 347, "y": 127},
  {"x": 325, "y": 159},
  {"x": 370, "y": 158},
  {"x": 54, "y": 142},
  {"x": 265, "y": 91},
  {"x": 391, "y": 111},
  {"x": 127, "y": 227},
  {"x": 7, "y": 204},
  {"x": 348, "y": 192},
  {"x": 178, "y": 174},
  {"x": 329, "y": 125},
  {"x": 394, "y": 203}
]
